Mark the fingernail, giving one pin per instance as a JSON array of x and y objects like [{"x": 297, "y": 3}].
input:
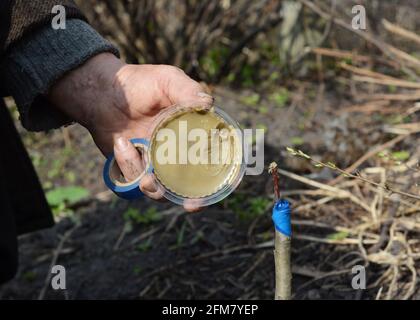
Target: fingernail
[
  {"x": 121, "y": 143},
  {"x": 204, "y": 95}
]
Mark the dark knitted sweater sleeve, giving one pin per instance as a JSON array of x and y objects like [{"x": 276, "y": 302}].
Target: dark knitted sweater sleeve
[
  {"x": 38, "y": 61},
  {"x": 37, "y": 57},
  {"x": 19, "y": 18}
]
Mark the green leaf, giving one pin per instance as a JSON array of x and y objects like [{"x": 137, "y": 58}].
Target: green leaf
[
  {"x": 68, "y": 195},
  {"x": 258, "y": 205},
  {"x": 401, "y": 155},
  {"x": 381, "y": 154},
  {"x": 348, "y": 60},
  {"x": 134, "y": 215},
  {"x": 145, "y": 246},
  {"x": 247, "y": 74},
  {"x": 137, "y": 270},
  {"x": 263, "y": 110},
  {"x": 392, "y": 89},
  {"x": 297, "y": 141},
  {"x": 29, "y": 276},
  {"x": 281, "y": 97},
  {"x": 262, "y": 126},
  {"x": 180, "y": 235},
  {"x": 341, "y": 235},
  {"x": 274, "y": 76},
  {"x": 251, "y": 100},
  {"x": 131, "y": 214}
]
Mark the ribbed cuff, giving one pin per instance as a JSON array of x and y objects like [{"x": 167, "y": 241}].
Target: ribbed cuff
[{"x": 41, "y": 59}]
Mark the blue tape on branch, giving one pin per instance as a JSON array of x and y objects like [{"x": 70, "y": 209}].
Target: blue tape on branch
[
  {"x": 129, "y": 190},
  {"x": 281, "y": 217}
]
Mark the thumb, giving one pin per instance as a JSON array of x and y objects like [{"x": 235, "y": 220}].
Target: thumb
[
  {"x": 130, "y": 163},
  {"x": 128, "y": 159}
]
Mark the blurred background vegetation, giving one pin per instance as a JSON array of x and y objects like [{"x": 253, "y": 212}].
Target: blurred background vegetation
[
  {"x": 242, "y": 42},
  {"x": 297, "y": 69}
]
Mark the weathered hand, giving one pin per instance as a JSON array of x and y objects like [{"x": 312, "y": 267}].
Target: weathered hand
[{"x": 117, "y": 101}]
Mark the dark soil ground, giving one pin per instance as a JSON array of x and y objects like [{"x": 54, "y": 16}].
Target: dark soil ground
[{"x": 223, "y": 252}]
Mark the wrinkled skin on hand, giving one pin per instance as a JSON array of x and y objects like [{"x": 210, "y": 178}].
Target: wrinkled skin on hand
[{"x": 117, "y": 101}]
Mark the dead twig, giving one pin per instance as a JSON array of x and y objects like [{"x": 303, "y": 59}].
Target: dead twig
[
  {"x": 394, "y": 97},
  {"x": 388, "y": 82},
  {"x": 341, "y": 54},
  {"x": 400, "y": 31},
  {"x": 339, "y": 193},
  {"x": 393, "y": 53},
  {"x": 54, "y": 259},
  {"x": 368, "y": 155}
]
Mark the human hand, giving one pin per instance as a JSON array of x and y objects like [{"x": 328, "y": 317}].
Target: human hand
[{"x": 117, "y": 102}]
